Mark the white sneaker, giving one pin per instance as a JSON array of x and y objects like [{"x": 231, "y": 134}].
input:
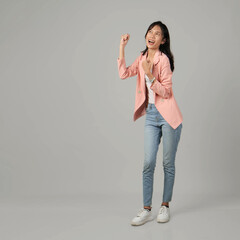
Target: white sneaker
[
  {"x": 163, "y": 214},
  {"x": 142, "y": 217}
]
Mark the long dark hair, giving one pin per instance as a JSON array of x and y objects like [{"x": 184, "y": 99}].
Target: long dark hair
[{"x": 165, "y": 48}]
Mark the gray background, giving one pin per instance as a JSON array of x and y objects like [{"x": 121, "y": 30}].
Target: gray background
[{"x": 66, "y": 120}]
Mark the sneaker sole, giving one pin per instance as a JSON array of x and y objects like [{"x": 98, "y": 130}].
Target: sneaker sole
[
  {"x": 141, "y": 223},
  {"x": 162, "y": 221}
]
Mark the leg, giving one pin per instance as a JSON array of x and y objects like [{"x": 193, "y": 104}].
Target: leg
[
  {"x": 152, "y": 136},
  {"x": 171, "y": 139}
]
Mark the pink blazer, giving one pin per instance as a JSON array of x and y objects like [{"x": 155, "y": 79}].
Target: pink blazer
[{"x": 162, "y": 88}]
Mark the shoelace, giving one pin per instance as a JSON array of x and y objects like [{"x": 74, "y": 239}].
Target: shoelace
[
  {"x": 162, "y": 210},
  {"x": 140, "y": 212}
]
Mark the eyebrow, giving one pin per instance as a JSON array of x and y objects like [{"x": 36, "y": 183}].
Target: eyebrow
[{"x": 156, "y": 31}]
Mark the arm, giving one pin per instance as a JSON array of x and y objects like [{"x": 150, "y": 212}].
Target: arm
[
  {"x": 164, "y": 88},
  {"x": 126, "y": 72},
  {"x": 123, "y": 71}
]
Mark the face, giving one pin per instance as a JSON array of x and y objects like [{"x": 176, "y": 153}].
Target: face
[{"x": 154, "y": 35}]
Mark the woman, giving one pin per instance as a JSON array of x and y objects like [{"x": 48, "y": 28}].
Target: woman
[{"x": 154, "y": 97}]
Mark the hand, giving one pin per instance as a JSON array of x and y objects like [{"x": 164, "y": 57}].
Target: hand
[
  {"x": 124, "y": 39},
  {"x": 147, "y": 66}
]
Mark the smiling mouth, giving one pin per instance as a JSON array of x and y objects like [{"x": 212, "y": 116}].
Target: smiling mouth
[{"x": 151, "y": 42}]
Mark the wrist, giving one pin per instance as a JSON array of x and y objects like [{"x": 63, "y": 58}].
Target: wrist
[{"x": 152, "y": 80}]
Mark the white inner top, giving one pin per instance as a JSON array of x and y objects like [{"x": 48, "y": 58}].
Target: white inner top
[{"x": 150, "y": 91}]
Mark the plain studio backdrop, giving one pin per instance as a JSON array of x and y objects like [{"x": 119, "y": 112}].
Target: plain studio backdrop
[{"x": 66, "y": 121}]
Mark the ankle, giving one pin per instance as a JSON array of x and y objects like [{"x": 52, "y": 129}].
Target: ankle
[
  {"x": 147, "y": 207},
  {"x": 165, "y": 204}
]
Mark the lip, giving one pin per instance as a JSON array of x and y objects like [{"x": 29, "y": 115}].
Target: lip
[{"x": 151, "y": 40}]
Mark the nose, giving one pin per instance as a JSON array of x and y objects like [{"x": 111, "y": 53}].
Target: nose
[{"x": 151, "y": 35}]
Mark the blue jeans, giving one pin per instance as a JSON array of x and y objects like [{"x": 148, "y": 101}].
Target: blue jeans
[{"x": 156, "y": 127}]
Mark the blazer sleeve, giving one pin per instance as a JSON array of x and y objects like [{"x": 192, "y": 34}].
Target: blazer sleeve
[
  {"x": 164, "y": 87},
  {"x": 125, "y": 72}
]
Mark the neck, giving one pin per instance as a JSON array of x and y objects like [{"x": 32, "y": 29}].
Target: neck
[{"x": 151, "y": 52}]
